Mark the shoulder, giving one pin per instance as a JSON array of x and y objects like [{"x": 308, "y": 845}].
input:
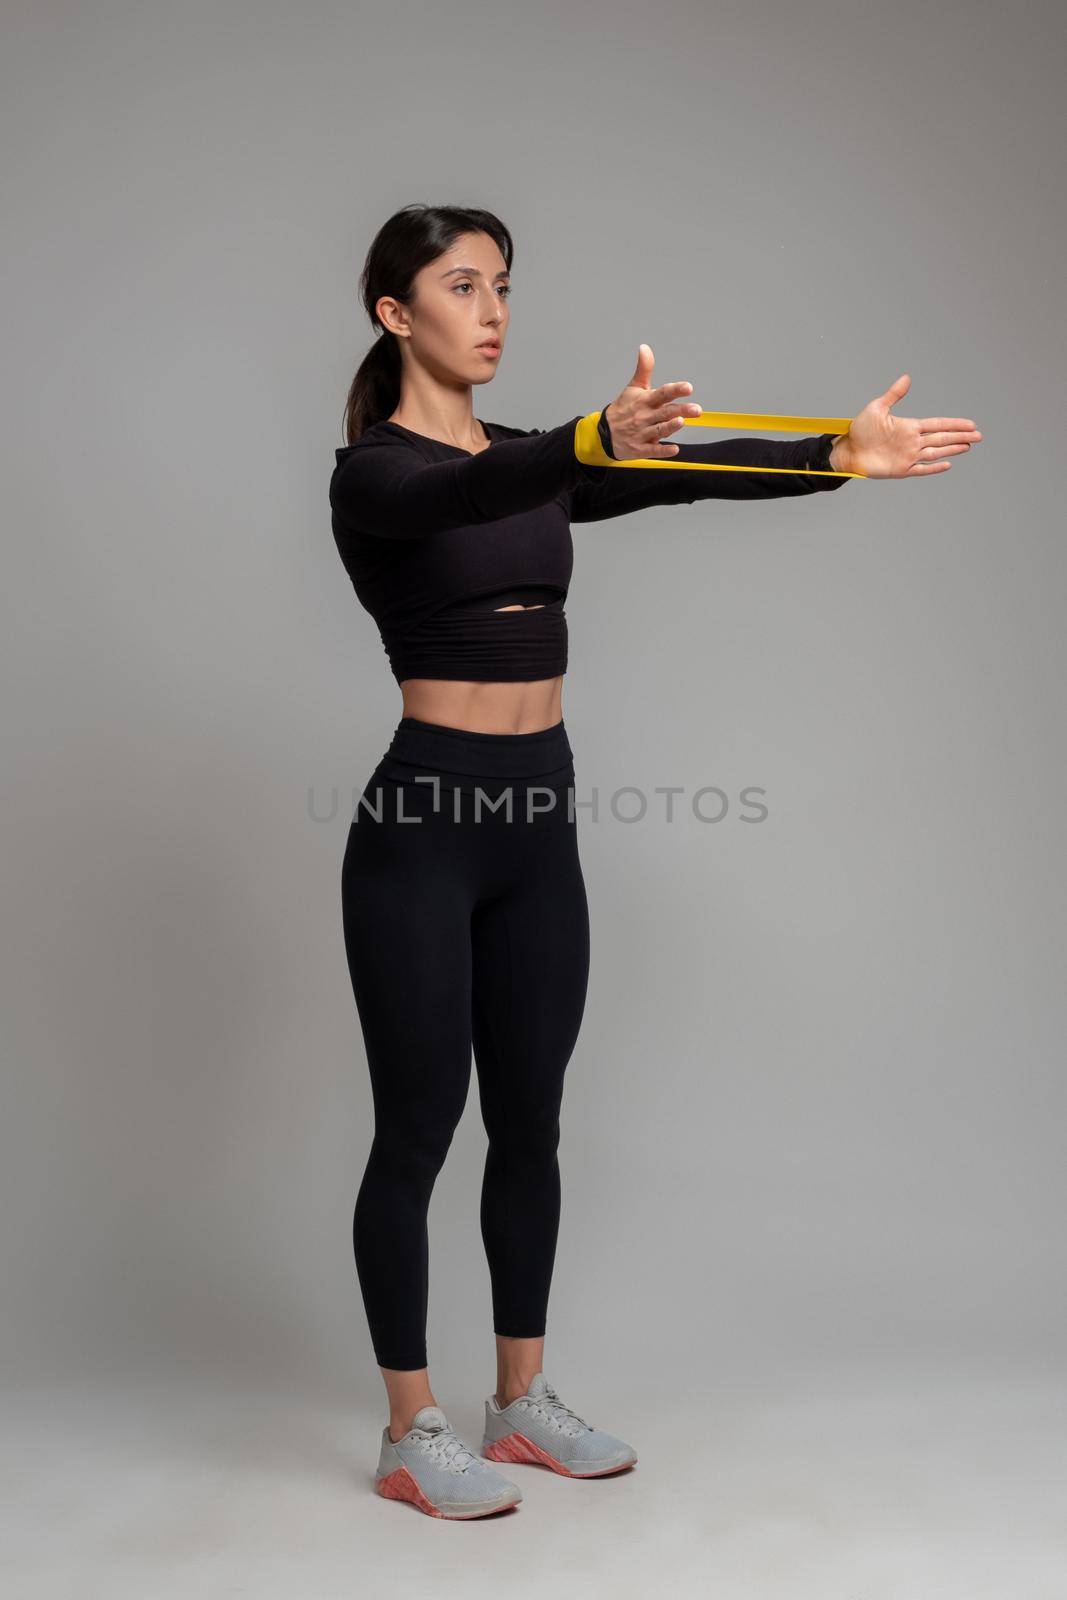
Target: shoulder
[
  {"x": 385, "y": 441},
  {"x": 379, "y": 436},
  {"x": 501, "y": 430}
]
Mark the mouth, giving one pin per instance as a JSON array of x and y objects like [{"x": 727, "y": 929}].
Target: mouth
[{"x": 491, "y": 347}]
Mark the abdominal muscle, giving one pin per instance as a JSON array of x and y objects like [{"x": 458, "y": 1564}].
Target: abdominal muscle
[{"x": 486, "y": 707}]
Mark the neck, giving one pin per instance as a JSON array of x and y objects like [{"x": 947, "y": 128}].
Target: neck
[{"x": 447, "y": 415}]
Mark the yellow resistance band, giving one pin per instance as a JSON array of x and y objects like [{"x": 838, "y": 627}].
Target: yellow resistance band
[{"x": 588, "y": 448}]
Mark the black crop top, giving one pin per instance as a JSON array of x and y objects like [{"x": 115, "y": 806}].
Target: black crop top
[{"x": 434, "y": 538}]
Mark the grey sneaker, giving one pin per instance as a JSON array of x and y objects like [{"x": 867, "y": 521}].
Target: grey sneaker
[
  {"x": 433, "y": 1468},
  {"x": 538, "y": 1428}
]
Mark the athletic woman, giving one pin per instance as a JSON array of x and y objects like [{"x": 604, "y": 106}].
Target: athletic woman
[{"x": 464, "y": 912}]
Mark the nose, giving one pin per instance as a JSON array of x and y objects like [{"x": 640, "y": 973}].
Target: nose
[{"x": 496, "y": 313}]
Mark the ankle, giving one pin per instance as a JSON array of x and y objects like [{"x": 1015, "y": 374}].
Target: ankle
[
  {"x": 400, "y": 1421},
  {"x": 507, "y": 1392},
  {"x": 518, "y": 1361}
]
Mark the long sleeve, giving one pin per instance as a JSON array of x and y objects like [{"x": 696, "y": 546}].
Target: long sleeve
[
  {"x": 619, "y": 490},
  {"x": 387, "y": 488}
]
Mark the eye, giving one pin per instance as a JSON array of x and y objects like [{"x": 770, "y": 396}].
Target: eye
[{"x": 465, "y": 283}]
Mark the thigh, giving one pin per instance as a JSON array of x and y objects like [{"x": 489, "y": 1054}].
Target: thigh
[
  {"x": 530, "y": 971},
  {"x": 406, "y": 903}
]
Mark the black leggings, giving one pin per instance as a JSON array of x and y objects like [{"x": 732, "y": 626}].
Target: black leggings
[{"x": 464, "y": 928}]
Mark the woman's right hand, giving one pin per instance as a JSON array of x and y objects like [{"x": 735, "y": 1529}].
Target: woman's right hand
[{"x": 641, "y": 415}]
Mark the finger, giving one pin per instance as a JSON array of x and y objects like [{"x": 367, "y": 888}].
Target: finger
[
  {"x": 654, "y": 450},
  {"x": 651, "y": 436},
  {"x": 943, "y": 424},
  {"x": 643, "y": 371},
  {"x": 933, "y": 452},
  {"x": 668, "y": 413},
  {"x": 953, "y": 436},
  {"x": 921, "y": 470},
  {"x": 668, "y": 392},
  {"x": 660, "y": 431}
]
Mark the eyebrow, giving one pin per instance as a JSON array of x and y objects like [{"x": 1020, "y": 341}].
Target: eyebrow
[{"x": 473, "y": 271}]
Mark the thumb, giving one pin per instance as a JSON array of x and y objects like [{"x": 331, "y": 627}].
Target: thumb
[
  {"x": 642, "y": 378},
  {"x": 897, "y": 390}
]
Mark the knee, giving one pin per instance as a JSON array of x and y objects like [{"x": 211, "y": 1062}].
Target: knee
[
  {"x": 410, "y": 1156},
  {"x": 530, "y": 1139}
]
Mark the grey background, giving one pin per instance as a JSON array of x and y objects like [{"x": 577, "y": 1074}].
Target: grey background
[{"x": 812, "y": 1154}]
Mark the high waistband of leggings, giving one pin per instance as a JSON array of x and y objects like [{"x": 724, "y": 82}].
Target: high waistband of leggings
[{"x": 434, "y": 747}]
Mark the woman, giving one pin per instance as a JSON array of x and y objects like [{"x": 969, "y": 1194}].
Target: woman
[{"x": 464, "y": 910}]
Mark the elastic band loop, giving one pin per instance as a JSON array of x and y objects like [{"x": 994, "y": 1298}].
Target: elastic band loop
[{"x": 589, "y": 449}]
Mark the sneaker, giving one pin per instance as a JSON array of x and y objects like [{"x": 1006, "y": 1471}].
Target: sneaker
[
  {"x": 432, "y": 1467},
  {"x": 538, "y": 1428}
]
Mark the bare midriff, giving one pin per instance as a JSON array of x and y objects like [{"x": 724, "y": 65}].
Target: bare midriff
[{"x": 486, "y": 707}]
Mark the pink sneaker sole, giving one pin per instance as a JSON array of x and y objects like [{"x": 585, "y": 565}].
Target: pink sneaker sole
[
  {"x": 400, "y": 1485},
  {"x": 516, "y": 1447}
]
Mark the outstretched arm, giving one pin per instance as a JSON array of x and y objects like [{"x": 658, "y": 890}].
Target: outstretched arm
[
  {"x": 877, "y": 445},
  {"x": 635, "y": 488},
  {"x": 389, "y": 489}
]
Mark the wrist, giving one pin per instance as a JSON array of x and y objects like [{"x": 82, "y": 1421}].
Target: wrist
[
  {"x": 840, "y": 458},
  {"x": 604, "y": 430}
]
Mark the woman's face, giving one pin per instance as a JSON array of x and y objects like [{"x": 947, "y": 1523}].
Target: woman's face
[{"x": 460, "y": 301}]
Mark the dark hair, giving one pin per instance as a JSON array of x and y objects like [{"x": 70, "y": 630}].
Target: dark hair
[{"x": 409, "y": 241}]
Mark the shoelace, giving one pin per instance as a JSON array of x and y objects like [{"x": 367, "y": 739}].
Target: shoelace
[
  {"x": 447, "y": 1446},
  {"x": 549, "y": 1405}
]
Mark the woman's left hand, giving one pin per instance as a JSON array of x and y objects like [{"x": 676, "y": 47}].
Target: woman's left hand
[{"x": 883, "y": 446}]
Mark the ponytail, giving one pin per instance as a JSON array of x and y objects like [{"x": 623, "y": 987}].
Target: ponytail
[{"x": 375, "y": 388}]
